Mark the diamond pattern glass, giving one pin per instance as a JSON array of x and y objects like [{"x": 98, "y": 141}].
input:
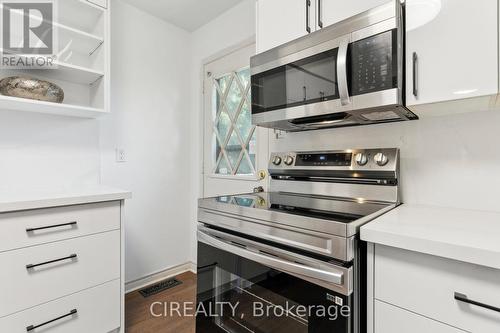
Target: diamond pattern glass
[{"x": 235, "y": 145}]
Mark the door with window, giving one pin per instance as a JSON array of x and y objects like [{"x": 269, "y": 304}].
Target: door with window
[{"x": 235, "y": 153}]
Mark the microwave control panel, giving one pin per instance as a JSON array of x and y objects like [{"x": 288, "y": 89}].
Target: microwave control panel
[{"x": 373, "y": 61}]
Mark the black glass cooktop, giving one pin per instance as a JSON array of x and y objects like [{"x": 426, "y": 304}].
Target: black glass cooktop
[{"x": 337, "y": 209}]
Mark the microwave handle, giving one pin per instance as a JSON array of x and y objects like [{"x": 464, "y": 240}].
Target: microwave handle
[
  {"x": 415, "y": 74},
  {"x": 345, "y": 99},
  {"x": 308, "y": 16},
  {"x": 335, "y": 277}
]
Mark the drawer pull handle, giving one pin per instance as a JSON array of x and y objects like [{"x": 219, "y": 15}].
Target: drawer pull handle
[
  {"x": 33, "y": 327},
  {"x": 465, "y": 299},
  {"x": 52, "y": 226},
  {"x": 30, "y": 266}
]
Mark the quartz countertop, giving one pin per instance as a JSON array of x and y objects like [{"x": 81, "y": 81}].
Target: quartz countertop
[
  {"x": 17, "y": 199},
  {"x": 465, "y": 235}
]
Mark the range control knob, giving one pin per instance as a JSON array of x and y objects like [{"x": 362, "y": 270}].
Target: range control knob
[
  {"x": 361, "y": 159},
  {"x": 381, "y": 159},
  {"x": 277, "y": 160},
  {"x": 289, "y": 160}
]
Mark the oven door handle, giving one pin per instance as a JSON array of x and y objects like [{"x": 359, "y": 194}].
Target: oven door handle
[{"x": 335, "y": 277}]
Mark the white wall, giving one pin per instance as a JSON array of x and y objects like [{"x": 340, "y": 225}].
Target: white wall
[
  {"x": 39, "y": 151},
  {"x": 150, "y": 101},
  {"x": 451, "y": 161},
  {"x": 232, "y": 28}
]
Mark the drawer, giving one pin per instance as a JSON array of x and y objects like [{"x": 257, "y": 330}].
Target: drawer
[
  {"x": 97, "y": 311},
  {"x": 391, "y": 319},
  {"x": 22, "y": 229},
  {"x": 100, "y": 3},
  {"x": 97, "y": 261},
  {"x": 427, "y": 285}
]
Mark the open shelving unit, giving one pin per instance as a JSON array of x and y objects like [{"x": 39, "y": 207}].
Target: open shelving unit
[{"x": 82, "y": 67}]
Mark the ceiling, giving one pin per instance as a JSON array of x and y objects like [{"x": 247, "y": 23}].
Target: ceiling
[{"x": 186, "y": 14}]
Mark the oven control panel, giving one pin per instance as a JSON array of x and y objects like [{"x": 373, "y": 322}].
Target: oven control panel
[
  {"x": 352, "y": 159},
  {"x": 326, "y": 159}
]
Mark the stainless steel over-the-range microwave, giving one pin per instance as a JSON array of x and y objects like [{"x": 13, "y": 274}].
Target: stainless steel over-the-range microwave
[{"x": 350, "y": 73}]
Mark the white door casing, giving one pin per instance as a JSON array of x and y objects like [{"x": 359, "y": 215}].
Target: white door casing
[{"x": 234, "y": 158}]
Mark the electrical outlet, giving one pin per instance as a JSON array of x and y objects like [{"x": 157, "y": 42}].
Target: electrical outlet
[
  {"x": 279, "y": 134},
  {"x": 120, "y": 155}
]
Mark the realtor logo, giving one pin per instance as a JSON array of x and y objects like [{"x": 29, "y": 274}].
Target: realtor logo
[{"x": 28, "y": 34}]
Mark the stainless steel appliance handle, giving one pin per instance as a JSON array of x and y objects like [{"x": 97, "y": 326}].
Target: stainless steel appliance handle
[
  {"x": 415, "y": 74},
  {"x": 320, "y": 14},
  {"x": 273, "y": 262},
  {"x": 342, "y": 73},
  {"x": 308, "y": 15}
]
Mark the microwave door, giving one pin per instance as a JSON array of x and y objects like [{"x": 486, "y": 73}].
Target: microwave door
[{"x": 293, "y": 85}]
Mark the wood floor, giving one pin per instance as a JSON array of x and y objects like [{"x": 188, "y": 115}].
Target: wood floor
[{"x": 138, "y": 318}]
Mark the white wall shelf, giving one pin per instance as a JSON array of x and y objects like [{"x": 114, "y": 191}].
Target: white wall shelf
[
  {"x": 80, "y": 14},
  {"x": 63, "y": 72},
  {"x": 27, "y": 105},
  {"x": 83, "y": 61},
  {"x": 81, "y": 41}
]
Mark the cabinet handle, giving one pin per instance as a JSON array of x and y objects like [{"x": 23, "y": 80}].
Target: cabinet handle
[
  {"x": 320, "y": 14},
  {"x": 52, "y": 226},
  {"x": 70, "y": 257},
  {"x": 465, "y": 299},
  {"x": 308, "y": 14},
  {"x": 415, "y": 74},
  {"x": 33, "y": 327}
]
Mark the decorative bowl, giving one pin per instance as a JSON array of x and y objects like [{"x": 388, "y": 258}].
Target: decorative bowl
[{"x": 31, "y": 88}]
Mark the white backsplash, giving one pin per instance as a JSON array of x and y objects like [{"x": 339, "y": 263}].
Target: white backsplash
[{"x": 451, "y": 161}]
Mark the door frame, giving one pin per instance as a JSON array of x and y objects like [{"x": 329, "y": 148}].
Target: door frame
[{"x": 201, "y": 115}]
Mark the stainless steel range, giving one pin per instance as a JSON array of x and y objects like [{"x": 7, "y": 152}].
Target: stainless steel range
[{"x": 295, "y": 247}]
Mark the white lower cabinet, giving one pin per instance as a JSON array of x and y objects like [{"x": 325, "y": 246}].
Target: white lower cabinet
[
  {"x": 62, "y": 269},
  {"x": 457, "y": 294},
  {"x": 391, "y": 319},
  {"x": 96, "y": 310},
  {"x": 81, "y": 263}
]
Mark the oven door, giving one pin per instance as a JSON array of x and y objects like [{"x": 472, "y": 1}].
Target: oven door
[{"x": 245, "y": 286}]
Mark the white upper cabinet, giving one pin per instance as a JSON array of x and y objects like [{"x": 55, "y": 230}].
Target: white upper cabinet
[
  {"x": 280, "y": 21},
  {"x": 452, "y": 47},
  {"x": 333, "y": 11}
]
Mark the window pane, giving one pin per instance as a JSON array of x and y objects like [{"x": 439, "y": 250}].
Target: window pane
[
  {"x": 233, "y": 123},
  {"x": 233, "y": 150},
  {"x": 234, "y": 98},
  {"x": 245, "y": 167},
  {"x": 244, "y": 76},
  {"x": 244, "y": 122},
  {"x": 223, "y": 126}
]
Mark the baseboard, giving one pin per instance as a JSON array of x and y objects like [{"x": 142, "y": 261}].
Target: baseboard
[{"x": 159, "y": 276}]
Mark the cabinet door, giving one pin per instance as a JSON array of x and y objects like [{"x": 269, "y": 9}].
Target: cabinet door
[
  {"x": 453, "y": 45},
  {"x": 391, "y": 319},
  {"x": 333, "y": 11},
  {"x": 281, "y": 21}
]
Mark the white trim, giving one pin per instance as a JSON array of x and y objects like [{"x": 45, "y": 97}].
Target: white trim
[
  {"x": 159, "y": 276},
  {"x": 235, "y": 177},
  {"x": 201, "y": 111}
]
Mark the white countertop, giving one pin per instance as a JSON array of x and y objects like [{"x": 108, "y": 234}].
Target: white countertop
[
  {"x": 465, "y": 235},
  {"x": 16, "y": 200}
]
